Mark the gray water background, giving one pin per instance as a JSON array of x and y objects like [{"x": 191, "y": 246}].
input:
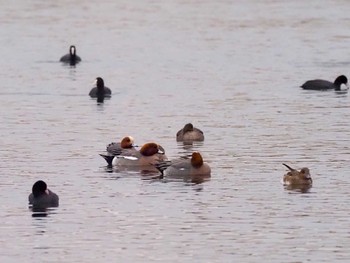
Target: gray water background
[{"x": 233, "y": 69}]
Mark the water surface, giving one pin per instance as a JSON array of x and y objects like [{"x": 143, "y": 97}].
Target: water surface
[{"x": 233, "y": 69}]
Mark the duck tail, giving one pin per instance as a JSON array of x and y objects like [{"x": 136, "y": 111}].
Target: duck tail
[
  {"x": 108, "y": 158},
  {"x": 290, "y": 168},
  {"x": 161, "y": 166}
]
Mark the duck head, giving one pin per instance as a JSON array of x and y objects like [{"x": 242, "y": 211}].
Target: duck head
[
  {"x": 188, "y": 127},
  {"x": 341, "y": 80},
  {"x": 39, "y": 188},
  {"x": 127, "y": 142},
  {"x": 196, "y": 160},
  {"x": 151, "y": 148},
  {"x": 305, "y": 174},
  {"x": 72, "y": 51},
  {"x": 99, "y": 83}
]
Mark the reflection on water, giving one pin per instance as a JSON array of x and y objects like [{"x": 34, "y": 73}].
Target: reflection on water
[
  {"x": 42, "y": 211},
  {"x": 232, "y": 67},
  {"x": 185, "y": 150},
  {"x": 299, "y": 188},
  {"x": 142, "y": 170},
  {"x": 39, "y": 211},
  {"x": 186, "y": 179}
]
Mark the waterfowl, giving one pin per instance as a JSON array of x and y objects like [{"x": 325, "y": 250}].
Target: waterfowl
[
  {"x": 149, "y": 155},
  {"x": 194, "y": 168},
  {"x": 100, "y": 91},
  {"x": 41, "y": 196},
  {"x": 125, "y": 147},
  {"x": 189, "y": 134},
  {"x": 295, "y": 177},
  {"x": 72, "y": 58},
  {"x": 320, "y": 84}
]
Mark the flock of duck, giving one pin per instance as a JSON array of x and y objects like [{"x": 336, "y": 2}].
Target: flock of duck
[{"x": 151, "y": 156}]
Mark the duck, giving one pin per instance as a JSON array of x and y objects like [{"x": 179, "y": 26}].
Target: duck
[
  {"x": 72, "y": 58},
  {"x": 193, "y": 169},
  {"x": 41, "y": 196},
  {"x": 147, "y": 157},
  {"x": 100, "y": 91},
  {"x": 297, "y": 178},
  {"x": 125, "y": 147},
  {"x": 320, "y": 84},
  {"x": 189, "y": 133}
]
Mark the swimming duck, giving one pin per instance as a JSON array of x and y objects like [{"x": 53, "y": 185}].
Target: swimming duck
[
  {"x": 149, "y": 154},
  {"x": 194, "y": 169},
  {"x": 320, "y": 84},
  {"x": 125, "y": 147},
  {"x": 72, "y": 58},
  {"x": 295, "y": 177},
  {"x": 100, "y": 91},
  {"x": 41, "y": 196},
  {"x": 189, "y": 133}
]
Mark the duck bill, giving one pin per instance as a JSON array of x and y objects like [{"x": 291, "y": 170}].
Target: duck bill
[{"x": 161, "y": 150}]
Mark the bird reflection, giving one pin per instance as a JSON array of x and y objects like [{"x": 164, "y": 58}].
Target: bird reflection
[
  {"x": 100, "y": 99},
  {"x": 298, "y": 188},
  {"x": 39, "y": 212}
]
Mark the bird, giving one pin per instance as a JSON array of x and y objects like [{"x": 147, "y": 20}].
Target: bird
[
  {"x": 42, "y": 197},
  {"x": 100, "y": 91},
  {"x": 72, "y": 58},
  {"x": 149, "y": 154},
  {"x": 295, "y": 177},
  {"x": 125, "y": 147},
  {"x": 189, "y": 134},
  {"x": 320, "y": 84},
  {"x": 193, "y": 169}
]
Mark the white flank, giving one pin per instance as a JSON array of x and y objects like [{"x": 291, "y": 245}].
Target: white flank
[{"x": 132, "y": 158}]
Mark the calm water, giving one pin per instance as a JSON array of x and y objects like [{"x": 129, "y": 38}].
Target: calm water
[{"x": 231, "y": 68}]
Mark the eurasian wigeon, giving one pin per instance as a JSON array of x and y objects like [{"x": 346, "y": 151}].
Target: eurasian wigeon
[
  {"x": 72, "y": 58},
  {"x": 189, "y": 134},
  {"x": 149, "y": 155},
  {"x": 100, "y": 91},
  {"x": 41, "y": 196},
  {"x": 125, "y": 147},
  {"x": 194, "y": 168},
  {"x": 297, "y": 178},
  {"x": 320, "y": 84}
]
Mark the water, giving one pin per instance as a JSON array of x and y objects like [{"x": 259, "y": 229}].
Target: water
[{"x": 233, "y": 70}]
